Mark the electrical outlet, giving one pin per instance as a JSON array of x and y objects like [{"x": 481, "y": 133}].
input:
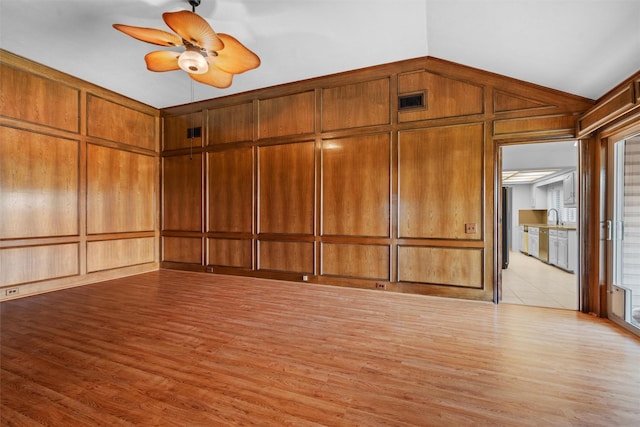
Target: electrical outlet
[
  {"x": 11, "y": 292},
  {"x": 209, "y": 269},
  {"x": 305, "y": 278},
  {"x": 471, "y": 228},
  {"x": 382, "y": 286}
]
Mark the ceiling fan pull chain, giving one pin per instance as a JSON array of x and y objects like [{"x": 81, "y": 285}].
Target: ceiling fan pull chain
[{"x": 192, "y": 133}]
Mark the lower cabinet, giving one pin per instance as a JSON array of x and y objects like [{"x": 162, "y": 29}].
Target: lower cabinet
[
  {"x": 553, "y": 246},
  {"x": 534, "y": 242},
  {"x": 572, "y": 250},
  {"x": 563, "y": 249}
]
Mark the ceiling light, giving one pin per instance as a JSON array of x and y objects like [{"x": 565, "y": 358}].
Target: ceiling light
[
  {"x": 192, "y": 61},
  {"x": 209, "y": 57},
  {"x": 525, "y": 177}
]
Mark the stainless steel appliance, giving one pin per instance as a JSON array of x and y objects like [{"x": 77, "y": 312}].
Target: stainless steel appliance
[{"x": 543, "y": 244}]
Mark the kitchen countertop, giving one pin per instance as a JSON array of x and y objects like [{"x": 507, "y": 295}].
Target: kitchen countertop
[{"x": 558, "y": 227}]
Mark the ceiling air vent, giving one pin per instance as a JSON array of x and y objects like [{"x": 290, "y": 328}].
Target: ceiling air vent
[
  {"x": 194, "y": 132},
  {"x": 414, "y": 100}
]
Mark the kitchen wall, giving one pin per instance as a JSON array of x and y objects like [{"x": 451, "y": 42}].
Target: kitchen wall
[
  {"x": 561, "y": 156},
  {"x": 536, "y": 196}
]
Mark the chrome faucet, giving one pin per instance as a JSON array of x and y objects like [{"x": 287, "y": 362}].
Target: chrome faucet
[{"x": 557, "y": 215}]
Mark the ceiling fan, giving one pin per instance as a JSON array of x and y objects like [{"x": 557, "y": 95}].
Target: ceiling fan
[{"x": 209, "y": 57}]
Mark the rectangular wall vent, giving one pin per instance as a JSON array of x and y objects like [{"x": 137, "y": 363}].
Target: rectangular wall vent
[
  {"x": 194, "y": 132},
  {"x": 415, "y": 100}
]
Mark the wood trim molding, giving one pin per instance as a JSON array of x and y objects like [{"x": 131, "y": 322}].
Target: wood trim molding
[{"x": 607, "y": 111}]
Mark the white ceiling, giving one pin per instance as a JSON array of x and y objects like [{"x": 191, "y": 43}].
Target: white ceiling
[
  {"x": 584, "y": 47},
  {"x": 552, "y": 157}
]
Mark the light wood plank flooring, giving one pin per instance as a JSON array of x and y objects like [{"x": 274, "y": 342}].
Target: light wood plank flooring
[
  {"x": 530, "y": 281},
  {"x": 180, "y": 348}
]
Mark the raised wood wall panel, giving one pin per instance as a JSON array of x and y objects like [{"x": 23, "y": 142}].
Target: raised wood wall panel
[
  {"x": 611, "y": 120},
  {"x": 609, "y": 109},
  {"x": 118, "y": 123},
  {"x": 341, "y": 178},
  {"x": 39, "y": 185},
  {"x": 231, "y": 124},
  {"x": 286, "y": 200},
  {"x": 506, "y": 102},
  {"x": 442, "y": 266},
  {"x": 230, "y": 174},
  {"x": 34, "y": 263},
  {"x": 287, "y": 115},
  {"x": 176, "y": 131},
  {"x": 446, "y": 97},
  {"x": 356, "y": 105},
  {"x": 230, "y": 253},
  {"x": 182, "y": 249},
  {"x": 182, "y": 193},
  {"x": 356, "y": 186},
  {"x": 28, "y": 97},
  {"x": 108, "y": 254},
  {"x": 69, "y": 173},
  {"x": 292, "y": 257},
  {"x": 441, "y": 182},
  {"x": 356, "y": 260},
  {"x": 120, "y": 191},
  {"x": 555, "y": 125}
]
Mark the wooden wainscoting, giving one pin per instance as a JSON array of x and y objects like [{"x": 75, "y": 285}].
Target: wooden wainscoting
[
  {"x": 329, "y": 180},
  {"x": 183, "y": 348},
  {"x": 79, "y": 179}
]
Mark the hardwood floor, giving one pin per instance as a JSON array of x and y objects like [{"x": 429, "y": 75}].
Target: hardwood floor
[{"x": 180, "y": 348}]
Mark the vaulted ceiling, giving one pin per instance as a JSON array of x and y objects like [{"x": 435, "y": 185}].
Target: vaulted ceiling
[{"x": 584, "y": 47}]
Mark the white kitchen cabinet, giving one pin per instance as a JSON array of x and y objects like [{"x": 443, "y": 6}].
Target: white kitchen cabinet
[
  {"x": 534, "y": 242},
  {"x": 553, "y": 246},
  {"x": 567, "y": 249},
  {"x": 569, "y": 190},
  {"x": 572, "y": 250},
  {"x": 521, "y": 240},
  {"x": 563, "y": 249}
]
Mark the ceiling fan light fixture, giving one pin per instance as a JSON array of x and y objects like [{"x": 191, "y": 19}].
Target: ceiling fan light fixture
[
  {"x": 193, "y": 62},
  {"x": 209, "y": 58}
]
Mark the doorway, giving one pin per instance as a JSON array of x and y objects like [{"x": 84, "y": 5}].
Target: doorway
[
  {"x": 624, "y": 286},
  {"x": 539, "y": 224}
]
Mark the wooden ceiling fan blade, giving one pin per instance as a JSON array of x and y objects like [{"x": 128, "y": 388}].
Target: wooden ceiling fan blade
[
  {"x": 150, "y": 35},
  {"x": 162, "y": 60},
  {"x": 214, "y": 77},
  {"x": 235, "y": 58},
  {"x": 193, "y": 29}
]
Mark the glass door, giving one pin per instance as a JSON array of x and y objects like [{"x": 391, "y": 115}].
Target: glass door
[{"x": 624, "y": 231}]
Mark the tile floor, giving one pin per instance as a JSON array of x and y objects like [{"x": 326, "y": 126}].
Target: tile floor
[{"x": 529, "y": 281}]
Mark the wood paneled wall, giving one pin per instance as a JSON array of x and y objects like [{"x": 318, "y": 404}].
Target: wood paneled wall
[
  {"x": 326, "y": 180},
  {"x": 79, "y": 175},
  {"x": 616, "y": 116}
]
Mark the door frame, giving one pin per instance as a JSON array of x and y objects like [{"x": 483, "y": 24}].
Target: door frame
[
  {"x": 582, "y": 193},
  {"x": 608, "y": 141}
]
